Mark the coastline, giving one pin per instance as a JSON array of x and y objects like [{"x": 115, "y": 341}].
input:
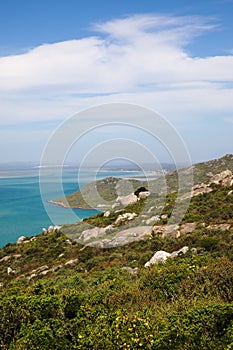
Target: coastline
[{"x": 61, "y": 204}]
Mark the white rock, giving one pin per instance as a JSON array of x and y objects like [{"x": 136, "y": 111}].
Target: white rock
[
  {"x": 143, "y": 195},
  {"x": 159, "y": 256},
  {"x": 21, "y": 239},
  {"x": 5, "y": 258},
  {"x": 125, "y": 217},
  {"x": 50, "y": 229},
  {"x": 44, "y": 231},
  {"x": 68, "y": 241},
  {"x": 181, "y": 251},
  {"x": 164, "y": 216},
  {"x": 126, "y": 200},
  {"x": 27, "y": 241},
  {"x": 70, "y": 262},
  {"x": 10, "y": 270},
  {"x": 107, "y": 213}
]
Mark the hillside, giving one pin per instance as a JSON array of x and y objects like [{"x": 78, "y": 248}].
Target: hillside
[
  {"x": 59, "y": 294},
  {"x": 108, "y": 228},
  {"x": 109, "y": 188}
]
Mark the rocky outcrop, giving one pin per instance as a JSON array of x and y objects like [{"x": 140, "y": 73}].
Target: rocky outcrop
[
  {"x": 224, "y": 179},
  {"x": 174, "y": 231},
  {"x": 95, "y": 232},
  {"x": 124, "y": 237},
  {"x": 200, "y": 189}
]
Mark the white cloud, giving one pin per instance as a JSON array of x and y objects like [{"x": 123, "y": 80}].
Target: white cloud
[
  {"x": 129, "y": 53},
  {"x": 139, "y": 59}
]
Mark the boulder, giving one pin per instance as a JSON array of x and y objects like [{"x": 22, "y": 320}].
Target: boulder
[
  {"x": 143, "y": 195},
  {"x": 126, "y": 200},
  {"x": 107, "y": 213},
  {"x": 50, "y": 229},
  {"x": 21, "y": 239},
  {"x": 160, "y": 256}
]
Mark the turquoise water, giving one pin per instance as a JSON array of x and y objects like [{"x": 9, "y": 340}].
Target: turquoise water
[{"x": 21, "y": 208}]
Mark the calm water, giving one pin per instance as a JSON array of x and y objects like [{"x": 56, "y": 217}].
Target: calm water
[{"x": 21, "y": 208}]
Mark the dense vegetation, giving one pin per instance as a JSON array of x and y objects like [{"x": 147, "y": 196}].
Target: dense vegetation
[
  {"x": 95, "y": 303},
  {"x": 61, "y": 295}
]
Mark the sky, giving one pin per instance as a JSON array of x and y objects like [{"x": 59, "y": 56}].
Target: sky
[{"x": 58, "y": 58}]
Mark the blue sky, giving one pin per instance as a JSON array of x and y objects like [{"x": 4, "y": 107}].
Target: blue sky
[{"x": 60, "y": 57}]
